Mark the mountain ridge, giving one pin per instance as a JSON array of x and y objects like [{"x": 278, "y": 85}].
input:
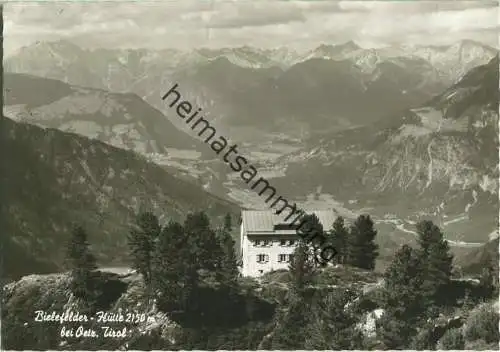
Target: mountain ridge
[
  {"x": 146, "y": 71},
  {"x": 57, "y": 179},
  {"x": 423, "y": 160},
  {"x": 120, "y": 119}
]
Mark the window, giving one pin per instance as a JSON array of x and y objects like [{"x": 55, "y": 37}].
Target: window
[
  {"x": 284, "y": 258},
  {"x": 262, "y": 243},
  {"x": 283, "y": 243},
  {"x": 262, "y": 258}
]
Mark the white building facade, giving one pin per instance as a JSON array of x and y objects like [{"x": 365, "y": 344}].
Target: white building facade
[{"x": 267, "y": 241}]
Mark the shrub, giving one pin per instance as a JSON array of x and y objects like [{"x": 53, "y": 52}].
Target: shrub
[
  {"x": 452, "y": 340},
  {"x": 280, "y": 275},
  {"x": 480, "y": 345},
  {"x": 275, "y": 292},
  {"x": 248, "y": 283},
  {"x": 482, "y": 324}
]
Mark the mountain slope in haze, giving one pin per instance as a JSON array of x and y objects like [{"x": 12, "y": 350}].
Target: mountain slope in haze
[
  {"x": 56, "y": 179},
  {"x": 112, "y": 69},
  {"x": 311, "y": 95},
  {"x": 439, "y": 161},
  {"x": 266, "y": 89},
  {"x": 122, "y": 120},
  {"x": 457, "y": 59},
  {"x": 451, "y": 62}
]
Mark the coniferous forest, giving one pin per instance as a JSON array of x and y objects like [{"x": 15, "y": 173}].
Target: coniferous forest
[{"x": 186, "y": 284}]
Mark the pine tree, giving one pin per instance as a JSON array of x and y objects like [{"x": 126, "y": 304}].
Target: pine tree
[
  {"x": 488, "y": 280},
  {"x": 228, "y": 223},
  {"x": 339, "y": 236},
  {"x": 83, "y": 264},
  {"x": 402, "y": 281},
  {"x": 361, "y": 248},
  {"x": 229, "y": 266},
  {"x": 290, "y": 332},
  {"x": 312, "y": 233},
  {"x": 203, "y": 242},
  {"x": 174, "y": 270},
  {"x": 428, "y": 234},
  {"x": 311, "y": 230},
  {"x": 301, "y": 267},
  {"x": 228, "y": 273},
  {"x": 207, "y": 258},
  {"x": 436, "y": 259},
  {"x": 402, "y": 303},
  {"x": 142, "y": 241}
]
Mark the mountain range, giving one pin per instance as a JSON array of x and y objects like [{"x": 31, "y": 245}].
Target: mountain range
[
  {"x": 267, "y": 89},
  {"x": 454, "y": 60}
]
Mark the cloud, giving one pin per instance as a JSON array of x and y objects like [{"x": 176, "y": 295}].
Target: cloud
[
  {"x": 326, "y": 7},
  {"x": 415, "y": 6},
  {"x": 253, "y": 16},
  {"x": 257, "y": 13},
  {"x": 301, "y": 24}
]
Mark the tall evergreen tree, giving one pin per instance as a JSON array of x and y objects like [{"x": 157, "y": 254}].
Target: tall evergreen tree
[
  {"x": 83, "y": 264},
  {"x": 436, "y": 259},
  {"x": 207, "y": 258},
  {"x": 361, "y": 248},
  {"x": 228, "y": 272},
  {"x": 228, "y": 226},
  {"x": 312, "y": 233},
  {"x": 203, "y": 241},
  {"x": 403, "y": 305},
  {"x": 290, "y": 332},
  {"x": 142, "y": 240},
  {"x": 338, "y": 235},
  {"x": 402, "y": 281},
  {"x": 301, "y": 267},
  {"x": 428, "y": 234},
  {"x": 311, "y": 230},
  {"x": 174, "y": 270},
  {"x": 489, "y": 279}
]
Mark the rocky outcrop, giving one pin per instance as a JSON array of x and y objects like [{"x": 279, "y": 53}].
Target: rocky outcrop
[{"x": 119, "y": 295}]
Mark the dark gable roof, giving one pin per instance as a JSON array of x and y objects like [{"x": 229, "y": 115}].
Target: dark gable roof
[{"x": 266, "y": 220}]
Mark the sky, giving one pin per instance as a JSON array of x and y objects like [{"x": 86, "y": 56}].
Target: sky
[{"x": 302, "y": 25}]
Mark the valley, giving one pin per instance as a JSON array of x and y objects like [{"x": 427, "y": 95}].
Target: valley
[{"x": 430, "y": 156}]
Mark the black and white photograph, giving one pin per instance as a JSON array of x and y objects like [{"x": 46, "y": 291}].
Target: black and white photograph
[{"x": 249, "y": 175}]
